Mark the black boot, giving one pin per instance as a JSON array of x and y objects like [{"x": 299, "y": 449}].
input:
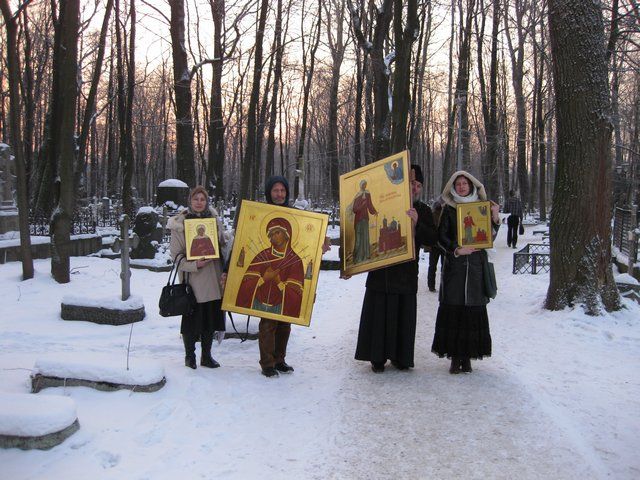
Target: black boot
[
  {"x": 377, "y": 367},
  {"x": 466, "y": 365},
  {"x": 206, "y": 360},
  {"x": 455, "y": 365},
  {"x": 283, "y": 367},
  {"x": 189, "y": 351}
]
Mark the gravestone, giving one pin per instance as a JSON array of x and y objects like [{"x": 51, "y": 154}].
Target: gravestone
[
  {"x": 147, "y": 230},
  {"x": 8, "y": 209},
  {"x": 173, "y": 193}
]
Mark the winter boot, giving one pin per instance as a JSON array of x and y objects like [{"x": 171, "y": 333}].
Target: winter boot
[
  {"x": 377, "y": 367},
  {"x": 206, "y": 360},
  {"x": 189, "y": 351},
  {"x": 283, "y": 367},
  {"x": 466, "y": 365},
  {"x": 269, "y": 372},
  {"x": 455, "y": 365}
]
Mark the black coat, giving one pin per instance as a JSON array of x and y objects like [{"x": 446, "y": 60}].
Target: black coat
[
  {"x": 403, "y": 278},
  {"x": 462, "y": 277}
]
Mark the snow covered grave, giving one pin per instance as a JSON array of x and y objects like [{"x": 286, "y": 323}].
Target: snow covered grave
[
  {"x": 106, "y": 311},
  {"x": 100, "y": 372},
  {"x": 36, "y": 421}
]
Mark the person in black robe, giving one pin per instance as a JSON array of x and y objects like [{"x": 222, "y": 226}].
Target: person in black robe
[{"x": 388, "y": 319}]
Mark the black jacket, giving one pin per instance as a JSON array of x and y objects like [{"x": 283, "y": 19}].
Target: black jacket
[
  {"x": 403, "y": 278},
  {"x": 462, "y": 277}
]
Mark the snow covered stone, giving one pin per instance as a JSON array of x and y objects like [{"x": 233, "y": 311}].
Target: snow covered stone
[
  {"x": 174, "y": 183},
  {"x": 105, "y": 311},
  {"x": 101, "y": 372},
  {"x": 36, "y": 421}
]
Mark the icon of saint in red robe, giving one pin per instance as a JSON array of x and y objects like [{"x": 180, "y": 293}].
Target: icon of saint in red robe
[{"x": 201, "y": 245}]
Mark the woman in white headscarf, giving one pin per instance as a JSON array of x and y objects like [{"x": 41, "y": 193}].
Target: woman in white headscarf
[{"x": 462, "y": 325}]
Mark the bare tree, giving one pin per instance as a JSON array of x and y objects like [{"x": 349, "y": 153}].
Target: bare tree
[
  {"x": 308, "y": 70},
  {"x": 63, "y": 145},
  {"x": 250, "y": 162},
  {"x": 521, "y": 10},
  {"x": 89, "y": 117},
  {"x": 404, "y": 37},
  {"x": 336, "y": 41},
  {"x": 490, "y": 103},
  {"x": 182, "y": 84},
  {"x": 459, "y": 112},
  {"x": 375, "y": 48},
  {"x": 13, "y": 67}
]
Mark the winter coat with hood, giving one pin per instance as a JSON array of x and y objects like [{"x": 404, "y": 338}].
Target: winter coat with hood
[
  {"x": 205, "y": 281},
  {"x": 271, "y": 181},
  {"x": 462, "y": 277}
]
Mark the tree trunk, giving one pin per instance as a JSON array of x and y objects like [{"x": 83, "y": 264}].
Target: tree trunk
[
  {"x": 63, "y": 145},
  {"x": 249, "y": 161},
  {"x": 581, "y": 218},
  {"x": 336, "y": 46},
  {"x": 28, "y": 96},
  {"x": 277, "y": 85},
  {"x": 540, "y": 137},
  {"x": 215, "y": 163},
  {"x": 182, "y": 84},
  {"x": 89, "y": 118},
  {"x": 490, "y": 173},
  {"x": 308, "y": 77},
  {"x": 517, "y": 75},
  {"x": 404, "y": 38},
  {"x": 13, "y": 67},
  {"x": 459, "y": 112}
]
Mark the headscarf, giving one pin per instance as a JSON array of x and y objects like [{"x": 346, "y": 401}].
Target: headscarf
[
  {"x": 206, "y": 213},
  {"x": 450, "y": 197}
]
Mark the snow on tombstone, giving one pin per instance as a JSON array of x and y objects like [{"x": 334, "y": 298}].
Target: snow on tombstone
[
  {"x": 98, "y": 371},
  {"x": 36, "y": 421}
]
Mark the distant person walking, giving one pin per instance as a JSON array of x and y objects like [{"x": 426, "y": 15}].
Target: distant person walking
[{"x": 513, "y": 206}]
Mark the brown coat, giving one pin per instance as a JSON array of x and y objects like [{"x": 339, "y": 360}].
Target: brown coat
[{"x": 206, "y": 280}]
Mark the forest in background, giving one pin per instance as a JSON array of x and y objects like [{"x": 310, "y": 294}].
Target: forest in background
[{"x": 225, "y": 93}]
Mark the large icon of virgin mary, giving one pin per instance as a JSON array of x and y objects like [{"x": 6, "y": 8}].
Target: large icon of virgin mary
[{"x": 274, "y": 280}]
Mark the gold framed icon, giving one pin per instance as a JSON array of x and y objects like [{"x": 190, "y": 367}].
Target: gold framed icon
[
  {"x": 201, "y": 237},
  {"x": 275, "y": 263},
  {"x": 375, "y": 230},
  {"x": 474, "y": 224}
]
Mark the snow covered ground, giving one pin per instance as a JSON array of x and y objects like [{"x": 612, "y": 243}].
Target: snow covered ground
[{"x": 558, "y": 399}]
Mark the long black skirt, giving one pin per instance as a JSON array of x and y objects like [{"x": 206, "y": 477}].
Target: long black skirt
[
  {"x": 462, "y": 332},
  {"x": 206, "y": 318},
  {"x": 387, "y": 328}
]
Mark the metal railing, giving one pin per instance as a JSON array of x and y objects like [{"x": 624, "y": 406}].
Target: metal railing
[
  {"x": 622, "y": 224},
  {"x": 533, "y": 258},
  {"x": 85, "y": 221}
]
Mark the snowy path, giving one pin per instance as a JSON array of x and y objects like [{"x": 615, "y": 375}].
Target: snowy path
[
  {"x": 426, "y": 423},
  {"x": 558, "y": 399}
]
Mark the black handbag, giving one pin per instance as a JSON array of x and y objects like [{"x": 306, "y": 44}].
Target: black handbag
[
  {"x": 177, "y": 298},
  {"x": 489, "y": 277},
  {"x": 521, "y": 229}
]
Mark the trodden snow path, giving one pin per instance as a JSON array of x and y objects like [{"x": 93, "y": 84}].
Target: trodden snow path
[{"x": 558, "y": 398}]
